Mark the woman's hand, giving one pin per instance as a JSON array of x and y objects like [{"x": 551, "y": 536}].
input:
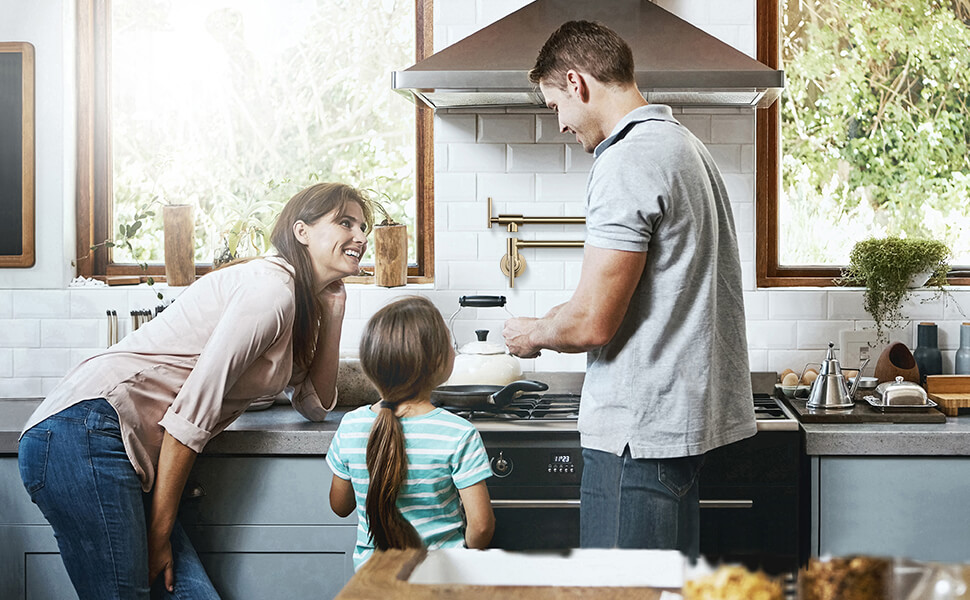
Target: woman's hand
[
  {"x": 160, "y": 560},
  {"x": 334, "y": 297}
]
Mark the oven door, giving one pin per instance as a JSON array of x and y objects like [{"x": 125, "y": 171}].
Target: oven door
[{"x": 534, "y": 490}]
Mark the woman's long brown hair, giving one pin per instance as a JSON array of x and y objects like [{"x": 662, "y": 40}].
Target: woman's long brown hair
[
  {"x": 403, "y": 350},
  {"x": 308, "y": 206}
]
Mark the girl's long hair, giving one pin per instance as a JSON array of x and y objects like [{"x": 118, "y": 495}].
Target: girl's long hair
[
  {"x": 310, "y": 205},
  {"x": 403, "y": 351}
]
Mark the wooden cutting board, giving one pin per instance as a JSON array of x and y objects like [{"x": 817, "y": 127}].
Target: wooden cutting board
[{"x": 951, "y": 392}]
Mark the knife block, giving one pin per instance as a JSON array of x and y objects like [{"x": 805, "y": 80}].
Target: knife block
[{"x": 896, "y": 361}]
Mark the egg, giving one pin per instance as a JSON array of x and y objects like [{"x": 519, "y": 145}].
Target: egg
[
  {"x": 850, "y": 373},
  {"x": 785, "y": 374},
  {"x": 789, "y": 380},
  {"x": 809, "y": 376}
]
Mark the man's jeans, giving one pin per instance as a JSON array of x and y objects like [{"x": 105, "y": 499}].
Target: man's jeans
[
  {"x": 640, "y": 503},
  {"x": 75, "y": 469}
]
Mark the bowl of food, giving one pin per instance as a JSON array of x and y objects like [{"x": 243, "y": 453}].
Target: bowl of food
[{"x": 794, "y": 391}]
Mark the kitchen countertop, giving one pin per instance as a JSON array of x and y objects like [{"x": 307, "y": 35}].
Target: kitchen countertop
[
  {"x": 281, "y": 430},
  {"x": 275, "y": 430}
]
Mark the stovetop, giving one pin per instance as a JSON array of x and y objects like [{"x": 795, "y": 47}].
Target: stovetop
[{"x": 561, "y": 411}]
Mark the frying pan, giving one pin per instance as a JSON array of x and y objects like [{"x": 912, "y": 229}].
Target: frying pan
[{"x": 482, "y": 397}]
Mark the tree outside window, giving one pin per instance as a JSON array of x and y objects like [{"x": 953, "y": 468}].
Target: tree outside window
[
  {"x": 233, "y": 106},
  {"x": 874, "y": 127}
]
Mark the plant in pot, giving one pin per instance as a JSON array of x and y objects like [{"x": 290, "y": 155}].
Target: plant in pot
[
  {"x": 390, "y": 249},
  {"x": 890, "y": 268},
  {"x": 128, "y": 232}
]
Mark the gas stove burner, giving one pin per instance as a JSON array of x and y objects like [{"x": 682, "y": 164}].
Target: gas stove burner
[{"x": 547, "y": 407}]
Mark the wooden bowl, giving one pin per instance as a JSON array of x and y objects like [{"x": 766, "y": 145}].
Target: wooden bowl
[{"x": 896, "y": 361}]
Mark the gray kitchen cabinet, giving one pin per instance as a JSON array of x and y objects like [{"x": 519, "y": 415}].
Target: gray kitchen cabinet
[
  {"x": 262, "y": 526},
  {"x": 903, "y": 506}
]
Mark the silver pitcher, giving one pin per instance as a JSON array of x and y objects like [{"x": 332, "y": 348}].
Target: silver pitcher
[{"x": 829, "y": 389}]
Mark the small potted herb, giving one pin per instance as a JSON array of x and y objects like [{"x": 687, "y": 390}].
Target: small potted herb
[{"x": 890, "y": 268}]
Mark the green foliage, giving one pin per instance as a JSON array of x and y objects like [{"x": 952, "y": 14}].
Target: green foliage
[
  {"x": 128, "y": 236},
  {"x": 875, "y": 125},
  {"x": 887, "y": 266},
  {"x": 268, "y": 100}
]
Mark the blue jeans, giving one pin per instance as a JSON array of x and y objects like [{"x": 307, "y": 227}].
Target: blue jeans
[
  {"x": 640, "y": 503},
  {"x": 75, "y": 469}
]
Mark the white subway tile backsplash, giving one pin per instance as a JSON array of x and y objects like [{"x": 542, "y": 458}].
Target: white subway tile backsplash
[
  {"x": 6, "y": 304},
  {"x": 800, "y": 304},
  {"x": 41, "y": 362},
  {"x": 536, "y": 158},
  {"x": 477, "y": 157},
  {"x": 72, "y": 333},
  {"x": 93, "y": 303},
  {"x": 846, "y": 305},
  {"x": 40, "y": 303},
  {"x": 467, "y": 216},
  {"x": 455, "y": 187},
  {"x": 727, "y": 157},
  {"x": 562, "y": 187},
  {"x": 756, "y": 305},
  {"x": 440, "y": 157},
  {"x": 956, "y": 306},
  {"x": 452, "y": 128},
  {"x": 476, "y": 275},
  {"x": 455, "y": 245},
  {"x": 547, "y": 130},
  {"x": 6, "y": 362},
  {"x": 79, "y": 355},
  {"x": 505, "y": 187},
  {"x": 573, "y": 270},
  {"x": 556, "y": 361},
  {"x": 796, "y": 360},
  {"x": 772, "y": 334},
  {"x": 743, "y": 217},
  {"x": 47, "y": 385},
  {"x": 699, "y": 125},
  {"x": 21, "y": 387},
  {"x": 507, "y": 128},
  {"x": 740, "y": 186},
  {"x": 748, "y": 163},
  {"x": 818, "y": 334},
  {"x": 546, "y": 300},
  {"x": 746, "y": 245},
  {"x": 19, "y": 333},
  {"x": 758, "y": 359},
  {"x": 733, "y": 129},
  {"x": 577, "y": 159},
  {"x": 923, "y": 306}
]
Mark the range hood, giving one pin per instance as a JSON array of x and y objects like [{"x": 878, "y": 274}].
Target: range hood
[{"x": 676, "y": 63}]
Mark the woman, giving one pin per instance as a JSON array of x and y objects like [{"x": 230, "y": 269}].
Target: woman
[{"x": 107, "y": 453}]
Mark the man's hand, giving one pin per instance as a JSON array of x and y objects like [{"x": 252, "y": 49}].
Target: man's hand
[{"x": 517, "y": 332}]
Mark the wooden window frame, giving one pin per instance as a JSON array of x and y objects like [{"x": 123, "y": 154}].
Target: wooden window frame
[
  {"x": 94, "y": 168},
  {"x": 768, "y": 177}
]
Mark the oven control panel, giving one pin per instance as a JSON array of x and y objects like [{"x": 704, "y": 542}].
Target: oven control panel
[
  {"x": 541, "y": 466},
  {"x": 561, "y": 462}
]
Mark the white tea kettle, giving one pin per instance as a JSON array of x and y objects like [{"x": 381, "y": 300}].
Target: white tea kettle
[{"x": 482, "y": 362}]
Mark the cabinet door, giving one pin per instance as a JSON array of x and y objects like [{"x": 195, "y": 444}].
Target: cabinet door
[
  {"x": 30, "y": 565},
  {"x": 276, "y": 562}
]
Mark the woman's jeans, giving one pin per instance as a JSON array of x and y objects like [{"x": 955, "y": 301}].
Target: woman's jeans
[
  {"x": 640, "y": 503},
  {"x": 75, "y": 469}
]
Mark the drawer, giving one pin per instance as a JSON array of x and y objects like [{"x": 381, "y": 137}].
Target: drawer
[{"x": 259, "y": 490}]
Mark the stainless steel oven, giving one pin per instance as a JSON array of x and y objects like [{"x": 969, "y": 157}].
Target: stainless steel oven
[{"x": 750, "y": 491}]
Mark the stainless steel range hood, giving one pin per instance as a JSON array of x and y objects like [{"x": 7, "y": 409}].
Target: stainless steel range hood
[{"x": 676, "y": 63}]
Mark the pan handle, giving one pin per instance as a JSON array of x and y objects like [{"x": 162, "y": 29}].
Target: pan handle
[{"x": 502, "y": 397}]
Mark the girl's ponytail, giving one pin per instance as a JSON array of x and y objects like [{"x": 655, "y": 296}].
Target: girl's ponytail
[
  {"x": 403, "y": 350},
  {"x": 388, "y": 467}
]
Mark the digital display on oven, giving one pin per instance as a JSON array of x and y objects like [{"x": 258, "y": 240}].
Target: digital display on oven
[{"x": 560, "y": 459}]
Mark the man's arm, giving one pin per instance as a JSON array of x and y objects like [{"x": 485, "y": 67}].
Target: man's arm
[{"x": 592, "y": 316}]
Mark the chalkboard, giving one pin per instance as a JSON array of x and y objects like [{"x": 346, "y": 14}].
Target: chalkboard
[{"x": 16, "y": 154}]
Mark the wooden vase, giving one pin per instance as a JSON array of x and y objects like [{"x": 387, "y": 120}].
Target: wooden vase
[
  {"x": 179, "y": 229},
  {"x": 896, "y": 360},
  {"x": 391, "y": 255}
]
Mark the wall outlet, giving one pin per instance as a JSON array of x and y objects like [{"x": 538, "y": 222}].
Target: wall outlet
[{"x": 856, "y": 346}]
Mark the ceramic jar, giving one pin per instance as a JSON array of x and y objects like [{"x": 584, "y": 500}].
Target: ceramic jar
[
  {"x": 927, "y": 353},
  {"x": 962, "y": 363}
]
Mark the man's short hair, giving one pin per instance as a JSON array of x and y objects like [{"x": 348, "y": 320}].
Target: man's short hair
[{"x": 584, "y": 46}]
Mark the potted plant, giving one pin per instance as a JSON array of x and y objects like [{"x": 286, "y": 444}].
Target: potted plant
[
  {"x": 890, "y": 268},
  {"x": 390, "y": 249},
  {"x": 126, "y": 233}
]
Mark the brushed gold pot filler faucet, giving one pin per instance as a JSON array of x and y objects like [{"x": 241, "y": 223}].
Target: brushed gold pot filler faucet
[{"x": 513, "y": 263}]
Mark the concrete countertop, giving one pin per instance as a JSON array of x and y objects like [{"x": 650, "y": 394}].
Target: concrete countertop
[
  {"x": 889, "y": 439},
  {"x": 278, "y": 429}
]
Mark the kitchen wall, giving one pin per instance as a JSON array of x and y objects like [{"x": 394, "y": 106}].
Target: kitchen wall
[{"x": 516, "y": 157}]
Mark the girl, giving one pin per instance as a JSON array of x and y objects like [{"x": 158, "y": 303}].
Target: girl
[
  {"x": 107, "y": 453},
  {"x": 403, "y": 463}
]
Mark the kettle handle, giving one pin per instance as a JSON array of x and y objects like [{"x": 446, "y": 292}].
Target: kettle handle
[{"x": 482, "y": 301}]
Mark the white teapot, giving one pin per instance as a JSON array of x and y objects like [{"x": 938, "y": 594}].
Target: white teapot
[{"x": 482, "y": 362}]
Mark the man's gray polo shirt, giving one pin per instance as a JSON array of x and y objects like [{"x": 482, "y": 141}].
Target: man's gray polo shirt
[{"x": 674, "y": 380}]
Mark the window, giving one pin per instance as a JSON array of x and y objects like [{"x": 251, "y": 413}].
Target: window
[
  {"x": 871, "y": 136},
  {"x": 233, "y": 107}
]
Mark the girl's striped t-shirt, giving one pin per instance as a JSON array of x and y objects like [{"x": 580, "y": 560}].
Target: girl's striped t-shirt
[{"x": 444, "y": 453}]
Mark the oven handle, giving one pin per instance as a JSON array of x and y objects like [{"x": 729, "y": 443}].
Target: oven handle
[
  {"x": 727, "y": 503},
  {"x": 535, "y": 503}
]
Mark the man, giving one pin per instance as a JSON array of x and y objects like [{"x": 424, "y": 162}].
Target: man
[{"x": 658, "y": 308}]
